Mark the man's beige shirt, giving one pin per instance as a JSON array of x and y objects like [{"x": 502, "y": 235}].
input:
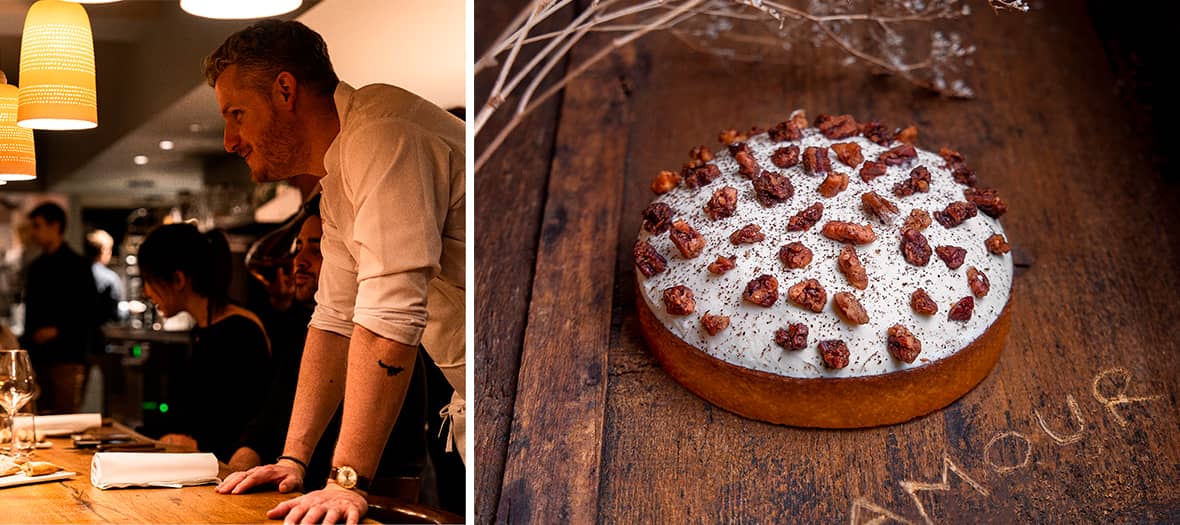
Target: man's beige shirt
[{"x": 394, "y": 234}]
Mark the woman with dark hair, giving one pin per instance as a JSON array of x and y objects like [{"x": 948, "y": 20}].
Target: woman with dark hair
[{"x": 185, "y": 270}]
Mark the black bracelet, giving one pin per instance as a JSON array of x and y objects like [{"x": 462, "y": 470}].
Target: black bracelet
[{"x": 295, "y": 459}]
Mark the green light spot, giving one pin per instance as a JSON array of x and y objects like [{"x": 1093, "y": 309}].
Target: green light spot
[
  {"x": 149, "y": 405},
  {"x": 163, "y": 407},
  {"x": 136, "y": 351}
]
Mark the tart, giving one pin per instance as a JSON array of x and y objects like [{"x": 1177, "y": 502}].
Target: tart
[{"x": 827, "y": 274}]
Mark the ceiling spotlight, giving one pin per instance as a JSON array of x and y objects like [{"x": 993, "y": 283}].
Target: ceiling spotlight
[
  {"x": 167, "y": 145},
  {"x": 237, "y": 9},
  {"x": 140, "y": 160},
  {"x": 194, "y": 127}
]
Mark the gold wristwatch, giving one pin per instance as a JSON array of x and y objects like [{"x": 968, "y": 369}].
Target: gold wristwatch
[{"x": 347, "y": 477}]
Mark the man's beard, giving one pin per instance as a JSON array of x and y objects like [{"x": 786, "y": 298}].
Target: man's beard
[
  {"x": 278, "y": 154},
  {"x": 305, "y": 294}
]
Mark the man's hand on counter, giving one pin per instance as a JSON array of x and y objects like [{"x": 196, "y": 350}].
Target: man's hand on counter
[
  {"x": 182, "y": 440},
  {"x": 287, "y": 475},
  {"x": 328, "y": 505}
]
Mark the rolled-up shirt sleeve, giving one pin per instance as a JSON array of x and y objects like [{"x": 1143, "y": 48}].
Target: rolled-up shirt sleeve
[
  {"x": 396, "y": 175},
  {"x": 337, "y": 282}
]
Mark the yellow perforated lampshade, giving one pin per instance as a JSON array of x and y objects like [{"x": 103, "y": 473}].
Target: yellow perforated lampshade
[
  {"x": 18, "y": 160},
  {"x": 57, "y": 89}
]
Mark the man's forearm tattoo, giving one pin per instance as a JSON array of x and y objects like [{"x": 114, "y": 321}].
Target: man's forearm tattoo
[{"x": 390, "y": 370}]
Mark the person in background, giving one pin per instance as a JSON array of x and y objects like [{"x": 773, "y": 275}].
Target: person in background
[
  {"x": 391, "y": 166},
  {"x": 60, "y": 301},
  {"x": 405, "y": 452},
  {"x": 224, "y": 381},
  {"x": 99, "y": 248}
]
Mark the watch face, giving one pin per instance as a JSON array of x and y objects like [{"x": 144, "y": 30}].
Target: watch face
[{"x": 346, "y": 477}]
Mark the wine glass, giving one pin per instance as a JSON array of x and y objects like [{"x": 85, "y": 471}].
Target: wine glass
[{"x": 18, "y": 385}]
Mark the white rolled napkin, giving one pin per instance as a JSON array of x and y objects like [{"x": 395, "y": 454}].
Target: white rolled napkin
[
  {"x": 110, "y": 470},
  {"x": 63, "y": 424}
]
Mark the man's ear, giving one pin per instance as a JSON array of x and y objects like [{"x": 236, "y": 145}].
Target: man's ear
[{"x": 285, "y": 90}]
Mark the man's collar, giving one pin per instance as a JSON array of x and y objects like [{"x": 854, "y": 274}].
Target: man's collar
[{"x": 342, "y": 97}]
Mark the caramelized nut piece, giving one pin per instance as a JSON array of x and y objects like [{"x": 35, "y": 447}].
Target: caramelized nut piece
[
  {"x": 961, "y": 311},
  {"x": 921, "y": 302},
  {"x": 876, "y": 132},
  {"x": 785, "y": 157},
  {"x": 834, "y": 352},
  {"x": 700, "y": 175},
  {"x": 837, "y": 127},
  {"x": 723, "y": 264},
  {"x": 746, "y": 164},
  {"x": 795, "y": 255},
  {"x": 815, "y": 160},
  {"x": 647, "y": 260},
  {"x": 840, "y": 231},
  {"x": 784, "y": 131},
  {"x": 898, "y": 155},
  {"x": 723, "y": 203},
  {"x": 700, "y": 154},
  {"x": 731, "y": 135},
  {"x": 880, "y": 208},
  {"x": 909, "y": 135},
  {"x": 808, "y": 294},
  {"x": 919, "y": 180},
  {"x": 851, "y": 267},
  {"x": 987, "y": 200},
  {"x": 954, "y": 214},
  {"x": 834, "y": 183},
  {"x": 918, "y": 220},
  {"x": 738, "y": 147},
  {"x": 978, "y": 282},
  {"x": 748, "y": 234},
  {"x": 848, "y": 153},
  {"x": 772, "y": 188},
  {"x": 687, "y": 239},
  {"x": 953, "y": 256},
  {"x": 678, "y": 300},
  {"x": 953, "y": 158},
  {"x": 963, "y": 175},
  {"x": 849, "y": 308},
  {"x": 714, "y": 324},
  {"x": 762, "y": 291},
  {"x": 915, "y": 248},
  {"x": 664, "y": 182},
  {"x": 793, "y": 337},
  {"x": 902, "y": 344},
  {"x": 806, "y": 218},
  {"x": 657, "y": 217},
  {"x": 997, "y": 245},
  {"x": 799, "y": 118},
  {"x": 871, "y": 170}
]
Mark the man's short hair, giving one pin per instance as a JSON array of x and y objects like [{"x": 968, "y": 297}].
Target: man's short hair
[
  {"x": 268, "y": 48},
  {"x": 51, "y": 213}
]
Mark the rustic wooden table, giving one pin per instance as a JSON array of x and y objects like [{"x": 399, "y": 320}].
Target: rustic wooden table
[
  {"x": 75, "y": 500},
  {"x": 1079, "y": 421}
]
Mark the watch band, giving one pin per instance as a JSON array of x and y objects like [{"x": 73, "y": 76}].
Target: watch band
[{"x": 347, "y": 477}]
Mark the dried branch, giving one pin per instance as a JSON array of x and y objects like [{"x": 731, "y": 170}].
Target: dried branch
[{"x": 757, "y": 29}]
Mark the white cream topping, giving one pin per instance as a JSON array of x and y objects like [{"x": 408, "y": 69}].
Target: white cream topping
[{"x": 749, "y": 340}]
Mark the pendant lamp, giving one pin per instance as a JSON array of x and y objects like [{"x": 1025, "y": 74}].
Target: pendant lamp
[
  {"x": 57, "y": 89},
  {"x": 18, "y": 160},
  {"x": 239, "y": 9}
]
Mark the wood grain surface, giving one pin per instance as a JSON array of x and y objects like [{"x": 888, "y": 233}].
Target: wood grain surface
[
  {"x": 75, "y": 500},
  {"x": 1078, "y": 423}
]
